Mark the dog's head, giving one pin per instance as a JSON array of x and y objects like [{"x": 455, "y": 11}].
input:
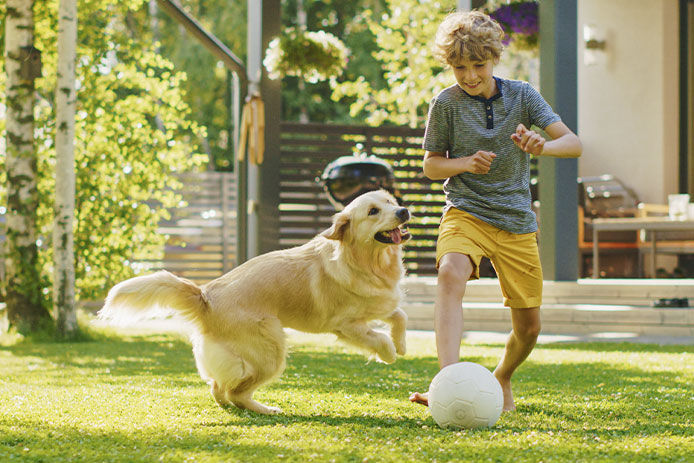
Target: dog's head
[{"x": 374, "y": 217}]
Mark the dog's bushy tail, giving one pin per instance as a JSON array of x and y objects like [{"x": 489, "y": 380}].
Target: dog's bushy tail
[{"x": 141, "y": 296}]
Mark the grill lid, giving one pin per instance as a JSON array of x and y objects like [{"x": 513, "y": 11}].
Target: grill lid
[{"x": 350, "y": 176}]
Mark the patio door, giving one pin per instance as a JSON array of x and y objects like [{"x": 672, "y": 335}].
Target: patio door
[{"x": 687, "y": 96}]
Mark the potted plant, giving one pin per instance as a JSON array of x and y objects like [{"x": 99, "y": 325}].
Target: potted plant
[
  {"x": 312, "y": 56},
  {"x": 519, "y": 19}
]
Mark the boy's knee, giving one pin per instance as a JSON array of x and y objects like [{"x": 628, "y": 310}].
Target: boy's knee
[
  {"x": 529, "y": 331},
  {"x": 454, "y": 272}
]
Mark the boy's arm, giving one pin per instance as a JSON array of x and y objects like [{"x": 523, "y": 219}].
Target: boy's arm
[
  {"x": 438, "y": 167},
  {"x": 564, "y": 143}
]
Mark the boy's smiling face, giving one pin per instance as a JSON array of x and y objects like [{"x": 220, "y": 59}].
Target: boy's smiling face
[{"x": 475, "y": 77}]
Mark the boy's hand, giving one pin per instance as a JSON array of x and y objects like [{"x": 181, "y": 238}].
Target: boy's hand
[
  {"x": 528, "y": 140},
  {"x": 480, "y": 162}
]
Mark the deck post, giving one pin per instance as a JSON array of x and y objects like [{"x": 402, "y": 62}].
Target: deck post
[
  {"x": 263, "y": 179},
  {"x": 557, "y": 182}
]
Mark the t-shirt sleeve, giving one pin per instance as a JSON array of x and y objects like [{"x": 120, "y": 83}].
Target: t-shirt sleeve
[
  {"x": 540, "y": 112},
  {"x": 436, "y": 132}
]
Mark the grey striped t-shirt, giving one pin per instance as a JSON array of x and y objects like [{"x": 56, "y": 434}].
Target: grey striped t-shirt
[{"x": 461, "y": 125}]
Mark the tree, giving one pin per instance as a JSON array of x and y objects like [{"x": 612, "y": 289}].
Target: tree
[
  {"x": 63, "y": 237},
  {"x": 206, "y": 85},
  {"x": 404, "y": 35},
  {"x": 126, "y": 166},
  {"x": 26, "y": 309}
]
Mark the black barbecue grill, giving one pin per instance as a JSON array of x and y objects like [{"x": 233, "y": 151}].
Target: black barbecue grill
[
  {"x": 350, "y": 176},
  {"x": 606, "y": 196}
]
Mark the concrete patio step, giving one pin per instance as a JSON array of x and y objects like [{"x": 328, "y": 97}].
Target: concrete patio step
[{"x": 582, "y": 307}]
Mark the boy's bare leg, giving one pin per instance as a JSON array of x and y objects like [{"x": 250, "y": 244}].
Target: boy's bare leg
[
  {"x": 526, "y": 328},
  {"x": 454, "y": 272}
]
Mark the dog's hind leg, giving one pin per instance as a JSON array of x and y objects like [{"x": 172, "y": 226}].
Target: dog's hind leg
[
  {"x": 219, "y": 394},
  {"x": 242, "y": 395},
  {"x": 236, "y": 366},
  {"x": 218, "y": 365},
  {"x": 235, "y": 382},
  {"x": 359, "y": 334},
  {"x": 265, "y": 359},
  {"x": 245, "y": 400},
  {"x": 398, "y": 327}
]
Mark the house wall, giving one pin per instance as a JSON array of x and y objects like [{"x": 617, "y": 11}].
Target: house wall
[{"x": 628, "y": 100}]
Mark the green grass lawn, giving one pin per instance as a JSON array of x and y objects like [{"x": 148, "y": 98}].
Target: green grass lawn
[{"x": 137, "y": 397}]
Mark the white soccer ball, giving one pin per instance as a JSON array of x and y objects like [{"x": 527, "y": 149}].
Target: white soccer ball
[{"x": 465, "y": 395}]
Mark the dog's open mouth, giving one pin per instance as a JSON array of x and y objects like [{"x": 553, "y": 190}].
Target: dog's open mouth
[{"x": 397, "y": 235}]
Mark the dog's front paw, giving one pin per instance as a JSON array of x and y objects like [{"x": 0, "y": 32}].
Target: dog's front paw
[
  {"x": 387, "y": 352},
  {"x": 400, "y": 346}
]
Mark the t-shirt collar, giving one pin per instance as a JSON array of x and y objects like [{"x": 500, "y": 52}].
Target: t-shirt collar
[{"x": 483, "y": 99}]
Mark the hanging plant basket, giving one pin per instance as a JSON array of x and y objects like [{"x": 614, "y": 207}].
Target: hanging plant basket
[
  {"x": 520, "y": 21},
  {"x": 312, "y": 56}
]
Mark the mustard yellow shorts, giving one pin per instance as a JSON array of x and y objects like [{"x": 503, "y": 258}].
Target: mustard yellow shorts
[{"x": 515, "y": 257}]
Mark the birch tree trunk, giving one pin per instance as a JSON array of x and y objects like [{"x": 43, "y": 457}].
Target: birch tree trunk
[
  {"x": 22, "y": 285},
  {"x": 64, "y": 259}
]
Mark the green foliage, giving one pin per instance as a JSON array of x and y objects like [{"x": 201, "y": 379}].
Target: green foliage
[
  {"x": 412, "y": 76},
  {"x": 206, "y": 89},
  {"x": 346, "y": 21},
  {"x": 397, "y": 47},
  {"x": 139, "y": 398},
  {"x": 133, "y": 133}
]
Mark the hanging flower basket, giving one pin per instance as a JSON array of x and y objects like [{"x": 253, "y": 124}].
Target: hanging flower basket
[
  {"x": 520, "y": 22},
  {"x": 312, "y": 56}
]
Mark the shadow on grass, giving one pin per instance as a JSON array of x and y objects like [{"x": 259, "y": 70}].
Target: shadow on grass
[
  {"x": 232, "y": 444},
  {"x": 574, "y": 393},
  {"x": 83, "y": 445},
  {"x": 246, "y": 418},
  {"x": 114, "y": 360},
  {"x": 575, "y": 401},
  {"x": 165, "y": 355},
  {"x": 583, "y": 397}
]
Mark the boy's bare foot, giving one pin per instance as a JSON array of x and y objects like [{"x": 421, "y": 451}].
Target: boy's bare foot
[
  {"x": 509, "y": 404},
  {"x": 418, "y": 398}
]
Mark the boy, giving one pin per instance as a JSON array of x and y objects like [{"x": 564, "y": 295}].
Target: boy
[{"x": 478, "y": 138}]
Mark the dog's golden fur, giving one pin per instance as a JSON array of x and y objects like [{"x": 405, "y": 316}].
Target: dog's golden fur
[{"x": 336, "y": 283}]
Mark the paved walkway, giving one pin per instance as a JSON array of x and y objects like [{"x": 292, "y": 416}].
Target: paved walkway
[{"x": 486, "y": 337}]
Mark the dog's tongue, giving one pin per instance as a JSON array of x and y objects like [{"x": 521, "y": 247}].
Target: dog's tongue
[{"x": 396, "y": 236}]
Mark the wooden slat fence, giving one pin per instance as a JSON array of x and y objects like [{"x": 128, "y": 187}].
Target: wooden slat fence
[
  {"x": 201, "y": 242},
  {"x": 304, "y": 207}
]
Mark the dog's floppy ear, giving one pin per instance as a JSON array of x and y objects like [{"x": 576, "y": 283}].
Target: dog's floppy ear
[{"x": 338, "y": 228}]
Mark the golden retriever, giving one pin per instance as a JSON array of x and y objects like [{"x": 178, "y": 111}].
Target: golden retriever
[{"x": 336, "y": 283}]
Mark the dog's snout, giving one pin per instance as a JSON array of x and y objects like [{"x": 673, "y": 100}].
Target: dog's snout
[{"x": 403, "y": 214}]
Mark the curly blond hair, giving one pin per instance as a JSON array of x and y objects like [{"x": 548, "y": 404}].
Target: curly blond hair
[{"x": 470, "y": 35}]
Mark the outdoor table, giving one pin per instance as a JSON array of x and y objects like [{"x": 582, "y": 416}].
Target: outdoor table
[{"x": 650, "y": 224}]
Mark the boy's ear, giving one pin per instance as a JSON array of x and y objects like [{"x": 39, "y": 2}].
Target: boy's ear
[{"x": 339, "y": 227}]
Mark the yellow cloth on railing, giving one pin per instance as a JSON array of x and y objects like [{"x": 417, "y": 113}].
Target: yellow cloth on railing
[{"x": 253, "y": 130}]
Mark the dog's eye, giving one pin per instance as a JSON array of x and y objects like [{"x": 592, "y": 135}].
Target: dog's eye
[{"x": 374, "y": 211}]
